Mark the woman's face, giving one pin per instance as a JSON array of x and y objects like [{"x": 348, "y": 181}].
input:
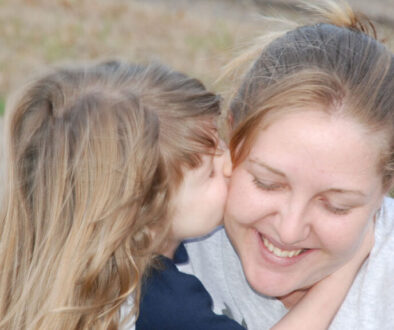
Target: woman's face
[{"x": 301, "y": 202}]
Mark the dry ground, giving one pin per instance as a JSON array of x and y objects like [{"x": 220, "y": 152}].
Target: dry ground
[
  {"x": 38, "y": 33},
  {"x": 196, "y": 36}
]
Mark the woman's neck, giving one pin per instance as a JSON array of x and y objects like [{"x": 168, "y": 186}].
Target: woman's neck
[{"x": 292, "y": 298}]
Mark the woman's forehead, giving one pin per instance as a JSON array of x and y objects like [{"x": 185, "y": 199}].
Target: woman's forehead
[{"x": 318, "y": 143}]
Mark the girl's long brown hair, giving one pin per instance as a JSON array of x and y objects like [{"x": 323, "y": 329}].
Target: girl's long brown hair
[{"x": 91, "y": 165}]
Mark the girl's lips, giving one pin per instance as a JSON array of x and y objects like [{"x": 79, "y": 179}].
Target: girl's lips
[{"x": 276, "y": 254}]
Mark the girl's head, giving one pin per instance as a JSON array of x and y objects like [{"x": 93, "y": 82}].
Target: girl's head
[
  {"x": 198, "y": 203},
  {"x": 312, "y": 147},
  {"x": 95, "y": 153},
  {"x": 196, "y": 162}
]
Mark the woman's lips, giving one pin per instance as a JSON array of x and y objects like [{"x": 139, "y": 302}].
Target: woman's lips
[
  {"x": 274, "y": 254},
  {"x": 279, "y": 252}
]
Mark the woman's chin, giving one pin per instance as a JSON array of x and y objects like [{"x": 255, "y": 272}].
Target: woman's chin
[
  {"x": 284, "y": 289},
  {"x": 268, "y": 288}
]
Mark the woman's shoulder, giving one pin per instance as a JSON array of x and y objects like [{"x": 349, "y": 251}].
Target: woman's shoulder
[
  {"x": 385, "y": 221},
  {"x": 384, "y": 233},
  {"x": 213, "y": 238},
  {"x": 388, "y": 203},
  {"x": 380, "y": 261},
  {"x": 206, "y": 253},
  {"x": 370, "y": 301},
  {"x": 208, "y": 248}
]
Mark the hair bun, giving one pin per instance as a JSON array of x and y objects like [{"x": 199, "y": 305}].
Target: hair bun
[{"x": 340, "y": 13}]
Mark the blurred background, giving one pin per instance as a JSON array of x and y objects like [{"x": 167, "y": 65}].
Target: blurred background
[{"x": 194, "y": 36}]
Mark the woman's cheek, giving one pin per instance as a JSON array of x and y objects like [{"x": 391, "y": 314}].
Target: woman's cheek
[
  {"x": 342, "y": 236},
  {"x": 244, "y": 201}
]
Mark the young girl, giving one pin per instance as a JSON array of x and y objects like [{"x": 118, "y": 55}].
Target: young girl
[
  {"x": 93, "y": 160},
  {"x": 108, "y": 166}
]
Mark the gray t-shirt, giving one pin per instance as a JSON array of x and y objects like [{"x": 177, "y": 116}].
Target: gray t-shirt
[{"x": 368, "y": 305}]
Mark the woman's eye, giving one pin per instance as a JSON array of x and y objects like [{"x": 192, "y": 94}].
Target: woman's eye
[
  {"x": 336, "y": 210},
  {"x": 268, "y": 186}
]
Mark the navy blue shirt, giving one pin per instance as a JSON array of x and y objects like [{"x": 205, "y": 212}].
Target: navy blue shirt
[{"x": 172, "y": 300}]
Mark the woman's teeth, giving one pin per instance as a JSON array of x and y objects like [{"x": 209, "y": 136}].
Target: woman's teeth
[{"x": 281, "y": 253}]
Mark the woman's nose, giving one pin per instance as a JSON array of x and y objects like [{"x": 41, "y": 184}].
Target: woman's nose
[{"x": 293, "y": 225}]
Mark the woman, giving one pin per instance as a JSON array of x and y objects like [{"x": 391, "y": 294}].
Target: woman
[{"x": 312, "y": 150}]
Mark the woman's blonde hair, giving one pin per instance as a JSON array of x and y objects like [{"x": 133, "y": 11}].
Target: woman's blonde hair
[
  {"x": 94, "y": 153},
  {"x": 335, "y": 64}
]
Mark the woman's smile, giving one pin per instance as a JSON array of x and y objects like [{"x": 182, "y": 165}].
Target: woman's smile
[
  {"x": 299, "y": 204},
  {"x": 287, "y": 252}
]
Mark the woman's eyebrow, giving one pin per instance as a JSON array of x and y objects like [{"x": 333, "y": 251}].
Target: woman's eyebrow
[
  {"x": 346, "y": 191},
  {"x": 331, "y": 190},
  {"x": 267, "y": 167}
]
